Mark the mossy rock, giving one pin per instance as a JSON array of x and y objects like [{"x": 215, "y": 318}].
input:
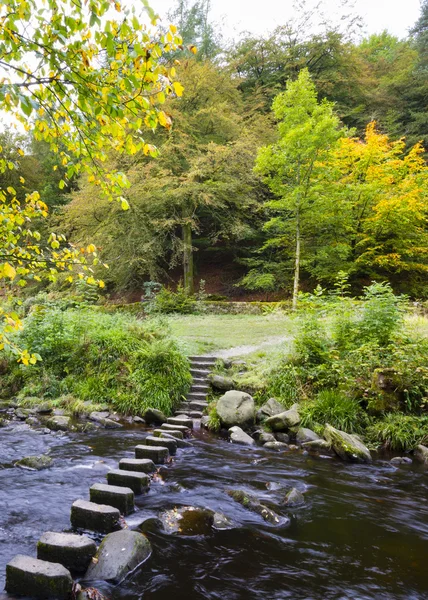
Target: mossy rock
[{"x": 347, "y": 446}]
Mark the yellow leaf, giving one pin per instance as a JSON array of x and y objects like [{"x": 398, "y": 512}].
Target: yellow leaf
[
  {"x": 20, "y": 152},
  {"x": 178, "y": 88},
  {"x": 193, "y": 49},
  {"x": 91, "y": 248},
  {"x": 124, "y": 203},
  {"x": 9, "y": 271}
]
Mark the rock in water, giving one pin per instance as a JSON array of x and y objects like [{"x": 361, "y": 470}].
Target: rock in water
[
  {"x": 269, "y": 409},
  {"x": 74, "y": 552},
  {"x": 59, "y": 423},
  {"x": 306, "y": 435},
  {"x": 221, "y": 383},
  {"x": 153, "y": 416},
  {"x": 188, "y": 520},
  {"x": 251, "y": 503},
  {"x": 36, "y": 463},
  {"x": 294, "y": 498},
  {"x": 347, "y": 446},
  {"x": 236, "y": 408},
  {"x": 119, "y": 553},
  {"x": 285, "y": 420},
  {"x": 27, "y": 576},
  {"x": 238, "y": 436},
  {"x": 421, "y": 454}
]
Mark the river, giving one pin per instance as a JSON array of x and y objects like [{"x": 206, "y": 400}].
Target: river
[{"x": 362, "y": 533}]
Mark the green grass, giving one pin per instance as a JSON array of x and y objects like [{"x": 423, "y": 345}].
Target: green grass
[{"x": 208, "y": 333}]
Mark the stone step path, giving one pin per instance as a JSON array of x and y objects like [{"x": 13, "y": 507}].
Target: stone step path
[
  {"x": 196, "y": 401},
  {"x": 61, "y": 555}
]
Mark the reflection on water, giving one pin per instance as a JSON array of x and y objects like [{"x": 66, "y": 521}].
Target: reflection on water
[{"x": 362, "y": 534}]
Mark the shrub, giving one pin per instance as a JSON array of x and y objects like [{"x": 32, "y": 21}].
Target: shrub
[
  {"x": 312, "y": 345},
  {"x": 284, "y": 384},
  {"x": 104, "y": 358},
  {"x": 399, "y": 431},
  {"x": 335, "y": 408},
  {"x": 381, "y": 316},
  {"x": 168, "y": 302},
  {"x": 214, "y": 423}
]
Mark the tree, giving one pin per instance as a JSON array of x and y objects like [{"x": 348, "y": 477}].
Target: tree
[
  {"x": 307, "y": 132},
  {"x": 87, "y": 83},
  {"x": 196, "y": 29}
]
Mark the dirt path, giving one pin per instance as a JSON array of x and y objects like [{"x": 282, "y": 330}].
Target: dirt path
[{"x": 243, "y": 350}]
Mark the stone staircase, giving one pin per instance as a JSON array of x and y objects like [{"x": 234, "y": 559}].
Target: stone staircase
[{"x": 196, "y": 401}]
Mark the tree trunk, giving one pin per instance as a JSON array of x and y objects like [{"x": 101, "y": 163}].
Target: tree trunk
[
  {"x": 188, "y": 259},
  {"x": 297, "y": 262}
]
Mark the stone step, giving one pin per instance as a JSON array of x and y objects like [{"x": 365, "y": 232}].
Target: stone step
[
  {"x": 96, "y": 517},
  {"x": 199, "y": 387},
  {"x": 185, "y": 421},
  {"x": 74, "y": 552},
  {"x": 184, "y": 406},
  {"x": 28, "y": 576},
  {"x": 198, "y": 405},
  {"x": 196, "y": 414},
  {"x": 184, "y": 430},
  {"x": 180, "y": 443},
  {"x": 141, "y": 465},
  {"x": 171, "y": 444},
  {"x": 138, "y": 482},
  {"x": 175, "y": 433},
  {"x": 202, "y": 366},
  {"x": 201, "y": 381},
  {"x": 158, "y": 454},
  {"x": 121, "y": 498},
  {"x": 201, "y": 396},
  {"x": 200, "y": 373},
  {"x": 181, "y": 412},
  {"x": 208, "y": 359}
]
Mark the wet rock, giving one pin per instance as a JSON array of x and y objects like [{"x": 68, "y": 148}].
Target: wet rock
[
  {"x": 169, "y": 443},
  {"x": 35, "y": 463},
  {"x": 222, "y": 522},
  {"x": 282, "y": 437},
  {"x": 119, "y": 554},
  {"x": 252, "y": 503},
  {"x": 99, "y": 416},
  {"x": 347, "y": 446},
  {"x": 293, "y": 447},
  {"x": 175, "y": 433},
  {"x": 74, "y": 552},
  {"x": 59, "y": 423},
  {"x": 183, "y": 421},
  {"x": 88, "y": 594},
  {"x": 87, "y": 427},
  {"x": 138, "y": 420},
  {"x": 401, "y": 460},
  {"x": 138, "y": 482},
  {"x": 204, "y": 421},
  {"x": 27, "y": 576},
  {"x": 180, "y": 443},
  {"x": 153, "y": 416},
  {"x": 236, "y": 408},
  {"x": 158, "y": 454},
  {"x": 110, "y": 424},
  {"x": 22, "y": 413},
  {"x": 269, "y": 409},
  {"x": 285, "y": 420},
  {"x": 43, "y": 409},
  {"x": 188, "y": 520},
  {"x": 184, "y": 430},
  {"x": 319, "y": 445},
  {"x": 306, "y": 435},
  {"x": 121, "y": 498},
  {"x": 32, "y": 421},
  {"x": 141, "y": 465},
  {"x": 421, "y": 454},
  {"x": 263, "y": 437},
  {"x": 96, "y": 517},
  {"x": 238, "y": 436},
  {"x": 219, "y": 382},
  {"x": 276, "y": 446},
  {"x": 294, "y": 498}
]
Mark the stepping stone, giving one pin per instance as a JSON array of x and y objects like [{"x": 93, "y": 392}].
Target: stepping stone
[
  {"x": 121, "y": 498},
  {"x": 27, "y": 576},
  {"x": 200, "y": 373},
  {"x": 200, "y": 387},
  {"x": 96, "y": 517},
  {"x": 184, "y": 407},
  {"x": 196, "y": 414},
  {"x": 171, "y": 444},
  {"x": 74, "y": 552},
  {"x": 158, "y": 454},
  {"x": 138, "y": 482},
  {"x": 197, "y": 405},
  {"x": 184, "y": 421},
  {"x": 182, "y": 413},
  {"x": 141, "y": 465},
  {"x": 195, "y": 396},
  {"x": 180, "y": 443},
  {"x": 168, "y": 427},
  {"x": 175, "y": 433},
  {"x": 206, "y": 359}
]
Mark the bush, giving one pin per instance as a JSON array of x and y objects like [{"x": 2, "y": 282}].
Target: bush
[
  {"x": 400, "y": 432},
  {"x": 381, "y": 316},
  {"x": 335, "y": 408},
  {"x": 284, "y": 384},
  {"x": 168, "y": 302},
  {"x": 312, "y": 345},
  {"x": 214, "y": 423},
  {"x": 102, "y": 357}
]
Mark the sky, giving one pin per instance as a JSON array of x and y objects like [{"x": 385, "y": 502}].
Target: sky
[{"x": 260, "y": 16}]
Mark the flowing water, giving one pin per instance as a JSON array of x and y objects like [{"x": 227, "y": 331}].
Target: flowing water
[{"x": 362, "y": 534}]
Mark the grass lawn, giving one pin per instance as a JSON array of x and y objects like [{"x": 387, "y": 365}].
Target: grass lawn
[{"x": 201, "y": 334}]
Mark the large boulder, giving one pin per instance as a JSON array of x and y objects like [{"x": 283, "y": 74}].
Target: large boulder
[
  {"x": 35, "y": 463},
  {"x": 269, "y": 409},
  {"x": 219, "y": 382},
  {"x": 347, "y": 446},
  {"x": 153, "y": 416},
  {"x": 238, "y": 436},
  {"x": 236, "y": 408},
  {"x": 119, "y": 553},
  {"x": 284, "y": 420},
  {"x": 187, "y": 520},
  {"x": 59, "y": 423},
  {"x": 294, "y": 498},
  {"x": 306, "y": 435},
  {"x": 421, "y": 454},
  {"x": 252, "y": 503},
  {"x": 28, "y": 576}
]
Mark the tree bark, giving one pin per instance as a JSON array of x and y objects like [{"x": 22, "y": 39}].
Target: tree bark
[
  {"x": 297, "y": 262},
  {"x": 188, "y": 260}
]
